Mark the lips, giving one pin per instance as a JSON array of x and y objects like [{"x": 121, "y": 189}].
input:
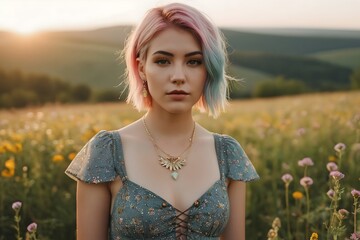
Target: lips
[{"x": 177, "y": 92}]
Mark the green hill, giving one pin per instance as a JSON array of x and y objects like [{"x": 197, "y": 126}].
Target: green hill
[
  {"x": 343, "y": 57},
  {"x": 110, "y": 36},
  {"x": 76, "y": 61},
  {"x": 289, "y": 45},
  {"x": 295, "y": 41},
  {"x": 316, "y": 74},
  {"x": 91, "y": 56},
  {"x": 304, "y": 32},
  {"x": 247, "y": 79}
]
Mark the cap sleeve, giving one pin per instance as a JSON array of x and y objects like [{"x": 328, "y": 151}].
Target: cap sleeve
[
  {"x": 238, "y": 165},
  {"x": 95, "y": 161}
]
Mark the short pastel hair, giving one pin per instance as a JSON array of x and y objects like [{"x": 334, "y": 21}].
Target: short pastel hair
[{"x": 215, "y": 92}]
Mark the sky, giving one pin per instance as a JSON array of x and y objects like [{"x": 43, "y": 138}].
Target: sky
[{"x": 27, "y": 16}]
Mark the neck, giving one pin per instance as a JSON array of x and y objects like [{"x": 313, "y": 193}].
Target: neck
[{"x": 167, "y": 125}]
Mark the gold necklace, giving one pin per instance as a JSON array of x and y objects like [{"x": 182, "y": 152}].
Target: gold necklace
[{"x": 173, "y": 163}]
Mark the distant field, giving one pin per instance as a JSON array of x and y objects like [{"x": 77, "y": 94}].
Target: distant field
[
  {"x": 344, "y": 57},
  {"x": 37, "y": 144}
]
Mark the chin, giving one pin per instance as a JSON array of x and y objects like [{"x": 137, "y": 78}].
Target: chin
[{"x": 178, "y": 109}]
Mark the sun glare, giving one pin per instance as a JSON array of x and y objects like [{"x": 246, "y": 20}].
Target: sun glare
[{"x": 26, "y": 30}]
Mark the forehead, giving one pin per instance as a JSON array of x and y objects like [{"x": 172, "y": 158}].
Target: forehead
[{"x": 174, "y": 40}]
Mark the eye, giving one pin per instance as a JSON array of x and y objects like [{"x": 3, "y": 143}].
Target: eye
[
  {"x": 162, "y": 61},
  {"x": 195, "y": 62}
]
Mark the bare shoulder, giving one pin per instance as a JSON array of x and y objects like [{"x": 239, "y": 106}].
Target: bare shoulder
[
  {"x": 203, "y": 135},
  {"x": 131, "y": 131}
]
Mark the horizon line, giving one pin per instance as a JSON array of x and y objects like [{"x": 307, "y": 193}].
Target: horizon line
[{"x": 95, "y": 28}]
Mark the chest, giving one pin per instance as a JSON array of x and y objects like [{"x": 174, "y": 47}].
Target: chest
[
  {"x": 140, "y": 213},
  {"x": 200, "y": 172}
]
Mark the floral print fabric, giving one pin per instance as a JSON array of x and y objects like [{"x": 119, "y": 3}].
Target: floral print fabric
[{"x": 138, "y": 213}]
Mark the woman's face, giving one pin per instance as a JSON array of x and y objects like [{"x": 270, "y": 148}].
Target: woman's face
[{"x": 174, "y": 70}]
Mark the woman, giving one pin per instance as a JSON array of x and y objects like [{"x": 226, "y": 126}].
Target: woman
[{"x": 164, "y": 176}]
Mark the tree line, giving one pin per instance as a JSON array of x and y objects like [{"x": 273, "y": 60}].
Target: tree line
[{"x": 19, "y": 89}]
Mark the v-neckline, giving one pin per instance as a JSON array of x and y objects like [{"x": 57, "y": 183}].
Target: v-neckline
[
  {"x": 167, "y": 202},
  {"x": 121, "y": 158}
]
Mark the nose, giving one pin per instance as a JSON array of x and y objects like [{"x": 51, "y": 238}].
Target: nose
[{"x": 178, "y": 77}]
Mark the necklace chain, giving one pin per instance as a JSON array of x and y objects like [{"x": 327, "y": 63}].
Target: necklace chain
[{"x": 171, "y": 162}]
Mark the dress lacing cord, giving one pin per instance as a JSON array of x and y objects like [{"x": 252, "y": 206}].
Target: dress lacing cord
[{"x": 181, "y": 224}]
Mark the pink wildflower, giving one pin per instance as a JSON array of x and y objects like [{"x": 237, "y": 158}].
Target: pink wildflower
[
  {"x": 306, "y": 182},
  {"x": 336, "y": 175},
  {"x": 339, "y": 147},
  {"x": 343, "y": 213},
  {"x": 300, "y": 131},
  {"x": 305, "y": 162},
  {"x": 355, "y": 193},
  {"x": 32, "y": 227},
  {"x": 355, "y": 236},
  {"x": 287, "y": 178},
  {"x": 331, "y": 193},
  {"x": 16, "y": 206},
  {"x": 331, "y": 166}
]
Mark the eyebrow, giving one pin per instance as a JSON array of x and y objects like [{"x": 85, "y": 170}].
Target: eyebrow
[{"x": 171, "y": 55}]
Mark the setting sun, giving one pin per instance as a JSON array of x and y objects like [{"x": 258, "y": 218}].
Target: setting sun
[{"x": 25, "y": 30}]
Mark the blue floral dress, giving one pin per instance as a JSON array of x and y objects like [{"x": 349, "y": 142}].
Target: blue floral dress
[{"x": 139, "y": 213}]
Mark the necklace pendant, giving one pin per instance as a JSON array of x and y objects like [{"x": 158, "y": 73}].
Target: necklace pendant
[
  {"x": 174, "y": 175},
  {"x": 172, "y": 159}
]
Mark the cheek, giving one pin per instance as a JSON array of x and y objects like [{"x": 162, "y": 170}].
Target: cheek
[
  {"x": 154, "y": 73},
  {"x": 153, "y": 78}
]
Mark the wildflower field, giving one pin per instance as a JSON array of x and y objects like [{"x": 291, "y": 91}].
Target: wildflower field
[{"x": 306, "y": 150}]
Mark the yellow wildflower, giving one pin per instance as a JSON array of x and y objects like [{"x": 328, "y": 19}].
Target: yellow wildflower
[
  {"x": 9, "y": 170},
  {"x": 9, "y": 147},
  {"x": 17, "y": 137},
  {"x": 18, "y": 147},
  {"x": 314, "y": 236},
  {"x": 89, "y": 133},
  {"x": 2, "y": 148},
  {"x": 297, "y": 195},
  {"x": 58, "y": 158},
  {"x": 7, "y": 173},
  {"x": 10, "y": 163},
  {"x": 332, "y": 158},
  {"x": 71, "y": 156}
]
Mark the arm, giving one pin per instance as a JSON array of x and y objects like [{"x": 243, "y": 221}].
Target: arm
[
  {"x": 92, "y": 211},
  {"x": 235, "y": 229}
]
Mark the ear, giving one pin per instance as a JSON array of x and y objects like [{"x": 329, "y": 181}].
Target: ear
[{"x": 141, "y": 68}]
